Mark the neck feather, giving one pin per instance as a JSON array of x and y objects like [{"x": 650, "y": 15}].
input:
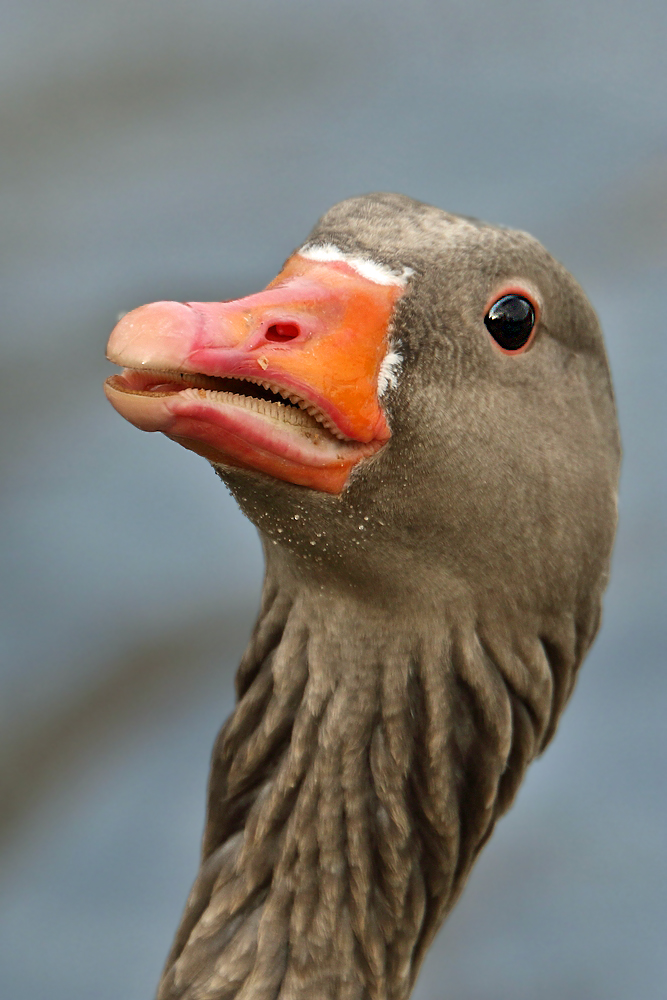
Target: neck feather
[{"x": 363, "y": 768}]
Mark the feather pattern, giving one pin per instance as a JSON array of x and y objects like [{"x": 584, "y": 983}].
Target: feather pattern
[{"x": 351, "y": 791}]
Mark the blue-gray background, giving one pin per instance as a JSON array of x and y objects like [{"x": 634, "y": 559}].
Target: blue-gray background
[{"x": 155, "y": 149}]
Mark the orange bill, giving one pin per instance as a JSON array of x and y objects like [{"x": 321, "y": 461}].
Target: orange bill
[{"x": 284, "y": 382}]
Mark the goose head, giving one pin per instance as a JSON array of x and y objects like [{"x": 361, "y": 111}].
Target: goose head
[{"x": 415, "y": 389}]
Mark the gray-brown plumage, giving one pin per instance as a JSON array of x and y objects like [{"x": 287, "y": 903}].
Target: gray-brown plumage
[{"x": 419, "y": 633}]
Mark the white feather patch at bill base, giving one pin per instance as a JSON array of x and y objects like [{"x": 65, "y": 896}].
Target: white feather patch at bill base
[
  {"x": 380, "y": 274},
  {"x": 389, "y": 371}
]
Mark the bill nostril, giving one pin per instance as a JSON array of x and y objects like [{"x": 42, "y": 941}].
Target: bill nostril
[{"x": 280, "y": 332}]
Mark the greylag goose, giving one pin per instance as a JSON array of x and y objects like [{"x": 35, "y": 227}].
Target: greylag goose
[{"x": 417, "y": 415}]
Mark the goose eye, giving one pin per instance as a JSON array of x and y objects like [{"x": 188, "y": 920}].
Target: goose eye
[{"x": 510, "y": 322}]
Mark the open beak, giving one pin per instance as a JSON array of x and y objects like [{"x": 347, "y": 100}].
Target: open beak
[{"x": 284, "y": 382}]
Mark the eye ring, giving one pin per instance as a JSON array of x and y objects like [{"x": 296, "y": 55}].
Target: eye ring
[{"x": 511, "y": 319}]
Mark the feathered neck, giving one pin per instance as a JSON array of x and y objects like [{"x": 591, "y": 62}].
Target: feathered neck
[{"x": 367, "y": 759}]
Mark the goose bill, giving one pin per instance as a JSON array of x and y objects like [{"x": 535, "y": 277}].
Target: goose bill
[{"x": 284, "y": 382}]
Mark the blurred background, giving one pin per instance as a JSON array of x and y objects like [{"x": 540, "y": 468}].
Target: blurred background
[{"x": 156, "y": 149}]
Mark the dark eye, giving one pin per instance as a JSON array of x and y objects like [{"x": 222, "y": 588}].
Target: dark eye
[{"x": 510, "y": 322}]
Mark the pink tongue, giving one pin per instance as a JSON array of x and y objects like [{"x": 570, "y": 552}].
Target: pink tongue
[
  {"x": 137, "y": 381},
  {"x": 167, "y": 387}
]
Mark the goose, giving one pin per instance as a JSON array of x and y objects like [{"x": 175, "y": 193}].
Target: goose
[{"x": 418, "y": 417}]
